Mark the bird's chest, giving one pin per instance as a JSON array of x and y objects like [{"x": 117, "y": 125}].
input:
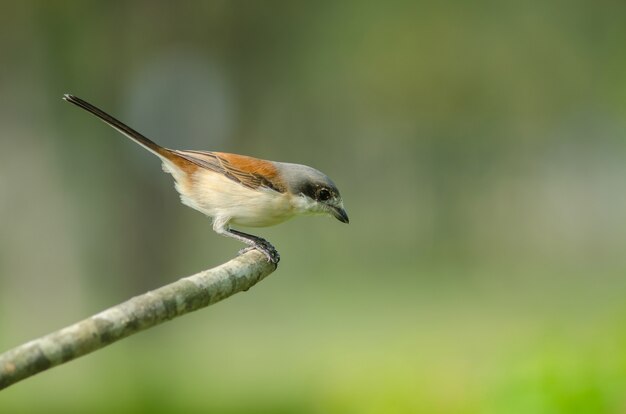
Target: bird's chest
[
  {"x": 218, "y": 196},
  {"x": 261, "y": 209}
]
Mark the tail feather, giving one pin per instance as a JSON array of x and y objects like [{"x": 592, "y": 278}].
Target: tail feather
[
  {"x": 120, "y": 126},
  {"x": 173, "y": 163}
]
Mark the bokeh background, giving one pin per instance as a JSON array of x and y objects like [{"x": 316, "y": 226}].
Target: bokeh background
[{"x": 480, "y": 149}]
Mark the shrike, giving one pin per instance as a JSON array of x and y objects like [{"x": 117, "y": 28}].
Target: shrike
[{"x": 239, "y": 190}]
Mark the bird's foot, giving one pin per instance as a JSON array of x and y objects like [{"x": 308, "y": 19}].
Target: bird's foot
[{"x": 266, "y": 248}]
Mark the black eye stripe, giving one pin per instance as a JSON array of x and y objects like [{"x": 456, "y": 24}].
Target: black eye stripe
[{"x": 318, "y": 191}]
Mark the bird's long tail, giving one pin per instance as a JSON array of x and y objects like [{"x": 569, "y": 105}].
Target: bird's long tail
[
  {"x": 121, "y": 127},
  {"x": 177, "y": 165}
]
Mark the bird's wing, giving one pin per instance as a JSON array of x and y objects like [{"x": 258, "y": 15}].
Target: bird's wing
[{"x": 247, "y": 171}]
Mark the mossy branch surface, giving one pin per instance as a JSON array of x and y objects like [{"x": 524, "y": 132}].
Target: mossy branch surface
[{"x": 141, "y": 312}]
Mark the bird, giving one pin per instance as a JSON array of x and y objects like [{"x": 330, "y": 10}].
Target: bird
[{"x": 239, "y": 190}]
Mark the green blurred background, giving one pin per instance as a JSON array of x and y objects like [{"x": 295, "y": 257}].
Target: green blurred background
[{"x": 480, "y": 149}]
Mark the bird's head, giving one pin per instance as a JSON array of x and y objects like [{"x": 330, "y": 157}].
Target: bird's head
[{"x": 313, "y": 192}]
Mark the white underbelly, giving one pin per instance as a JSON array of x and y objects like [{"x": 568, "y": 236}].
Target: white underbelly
[{"x": 222, "y": 198}]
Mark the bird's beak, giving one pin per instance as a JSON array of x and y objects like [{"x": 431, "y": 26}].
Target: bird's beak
[{"x": 340, "y": 214}]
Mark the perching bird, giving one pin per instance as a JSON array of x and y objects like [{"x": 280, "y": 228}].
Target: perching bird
[{"x": 237, "y": 189}]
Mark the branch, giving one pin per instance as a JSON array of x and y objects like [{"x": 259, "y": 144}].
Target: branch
[{"x": 139, "y": 313}]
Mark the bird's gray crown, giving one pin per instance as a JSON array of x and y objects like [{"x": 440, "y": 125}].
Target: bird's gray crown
[{"x": 302, "y": 179}]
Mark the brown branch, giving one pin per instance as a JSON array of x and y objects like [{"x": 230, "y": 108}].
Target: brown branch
[{"x": 139, "y": 313}]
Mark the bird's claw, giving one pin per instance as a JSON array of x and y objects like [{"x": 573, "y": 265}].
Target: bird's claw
[{"x": 266, "y": 248}]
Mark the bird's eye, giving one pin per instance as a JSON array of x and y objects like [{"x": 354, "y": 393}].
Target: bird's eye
[{"x": 323, "y": 194}]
